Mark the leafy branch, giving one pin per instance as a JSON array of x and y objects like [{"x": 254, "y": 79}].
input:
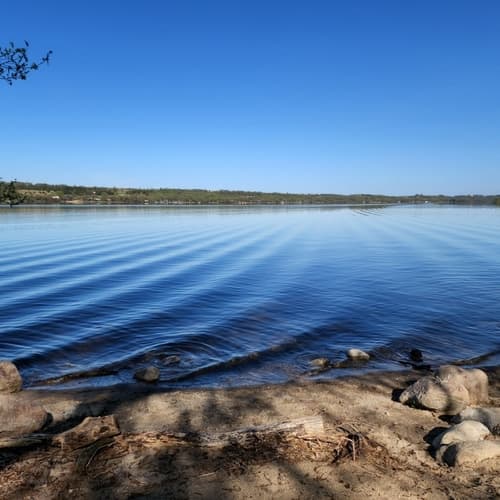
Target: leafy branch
[{"x": 15, "y": 63}]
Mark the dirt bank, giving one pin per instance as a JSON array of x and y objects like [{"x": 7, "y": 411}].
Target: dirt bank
[{"x": 372, "y": 447}]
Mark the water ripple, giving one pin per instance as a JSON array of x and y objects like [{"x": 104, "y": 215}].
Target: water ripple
[{"x": 216, "y": 296}]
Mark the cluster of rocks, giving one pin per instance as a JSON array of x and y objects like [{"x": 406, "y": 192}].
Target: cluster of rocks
[
  {"x": 20, "y": 418},
  {"x": 353, "y": 358},
  {"x": 21, "y": 421},
  {"x": 17, "y": 417},
  {"x": 450, "y": 391}
]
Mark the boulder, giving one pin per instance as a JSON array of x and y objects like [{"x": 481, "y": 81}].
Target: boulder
[
  {"x": 468, "y": 430},
  {"x": 358, "y": 355},
  {"x": 148, "y": 374},
  {"x": 18, "y": 418},
  {"x": 474, "y": 380},
  {"x": 471, "y": 452},
  {"x": 10, "y": 379},
  {"x": 490, "y": 417},
  {"x": 89, "y": 431},
  {"x": 430, "y": 393}
]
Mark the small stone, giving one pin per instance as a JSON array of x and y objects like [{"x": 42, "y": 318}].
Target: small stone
[
  {"x": 430, "y": 393},
  {"x": 321, "y": 362},
  {"x": 416, "y": 355},
  {"x": 89, "y": 431},
  {"x": 468, "y": 430},
  {"x": 490, "y": 417},
  {"x": 10, "y": 378},
  {"x": 471, "y": 453},
  {"x": 148, "y": 374},
  {"x": 19, "y": 418},
  {"x": 171, "y": 360},
  {"x": 358, "y": 355}
]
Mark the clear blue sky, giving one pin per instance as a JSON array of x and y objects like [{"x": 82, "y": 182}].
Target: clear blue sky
[{"x": 391, "y": 97}]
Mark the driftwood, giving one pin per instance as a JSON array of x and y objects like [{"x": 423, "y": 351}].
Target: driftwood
[
  {"x": 92, "y": 429},
  {"x": 94, "y": 460},
  {"x": 294, "y": 440},
  {"x": 300, "y": 427},
  {"x": 24, "y": 441}
]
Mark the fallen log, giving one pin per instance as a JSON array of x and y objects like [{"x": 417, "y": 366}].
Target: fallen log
[
  {"x": 24, "y": 441},
  {"x": 299, "y": 427},
  {"x": 293, "y": 440}
]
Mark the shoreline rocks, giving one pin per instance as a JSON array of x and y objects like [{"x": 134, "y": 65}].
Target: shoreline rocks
[
  {"x": 469, "y": 430},
  {"x": 490, "y": 417},
  {"x": 149, "y": 374},
  {"x": 416, "y": 356},
  {"x": 358, "y": 355},
  {"x": 321, "y": 363},
  {"x": 10, "y": 378},
  {"x": 18, "y": 418},
  {"x": 473, "y": 379},
  {"x": 471, "y": 452},
  {"x": 450, "y": 390}
]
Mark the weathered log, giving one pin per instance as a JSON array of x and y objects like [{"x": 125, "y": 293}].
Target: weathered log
[
  {"x": 89, "y": 431},
  {"x": 294, "y": 440},
  {"x": 23, "y": 441},
  {"x": 299, "y": 427}
]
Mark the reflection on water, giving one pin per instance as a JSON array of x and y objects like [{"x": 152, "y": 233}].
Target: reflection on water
[{"x": 244, "y": 295}]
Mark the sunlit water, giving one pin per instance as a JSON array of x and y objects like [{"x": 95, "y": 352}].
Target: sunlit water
[{"x": 244, "y": 295}]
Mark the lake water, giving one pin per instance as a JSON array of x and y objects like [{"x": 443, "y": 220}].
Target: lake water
[{"x": 244, "y": 295}]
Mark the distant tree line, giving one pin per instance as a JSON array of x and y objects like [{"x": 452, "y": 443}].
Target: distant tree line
[{"x": 14, "y": 193}]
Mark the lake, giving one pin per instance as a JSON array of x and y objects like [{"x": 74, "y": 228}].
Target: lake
[{"x": 227, "y": 296}]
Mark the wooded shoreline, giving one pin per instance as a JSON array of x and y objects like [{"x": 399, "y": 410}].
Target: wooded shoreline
[{"x": 64, "y": 194}]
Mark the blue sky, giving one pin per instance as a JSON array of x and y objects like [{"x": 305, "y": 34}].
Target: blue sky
[{"x": 318, "y": 96}]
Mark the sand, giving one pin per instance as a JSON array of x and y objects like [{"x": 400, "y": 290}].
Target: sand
[{"x": 388, "y": 456}]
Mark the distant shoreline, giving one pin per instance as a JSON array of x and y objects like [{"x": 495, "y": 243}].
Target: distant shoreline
[{"x": 61, "y": 194}]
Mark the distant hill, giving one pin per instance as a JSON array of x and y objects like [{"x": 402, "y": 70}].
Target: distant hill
[{"x": 63, "y": 194}]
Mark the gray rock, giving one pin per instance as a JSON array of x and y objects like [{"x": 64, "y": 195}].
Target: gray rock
[
  {"x": 320, "y": 362},
  {"x": 148, "y": 374},
  {"x": 18, "y": 418},
  {"x": 468, "y": 430},
  {"x": 358, "y": 355},
  {"x": 474, "y": 380},
  {"x": 430, "y": 393},
  {"x": 490, "y": 417},
  {"x": 10, "y": 379},
  {"x": 470, "y": 453}
]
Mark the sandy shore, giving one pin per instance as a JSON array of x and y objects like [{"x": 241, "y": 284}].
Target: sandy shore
[{"x": 391, "y": 459}]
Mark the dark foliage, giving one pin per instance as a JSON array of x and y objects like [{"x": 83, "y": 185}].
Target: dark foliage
[
  {"x": 10, "y": 195},
  {"x": 15, "y": 63}
]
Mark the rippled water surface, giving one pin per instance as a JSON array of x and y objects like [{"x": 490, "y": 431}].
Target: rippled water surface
[{"x": 232, "y": 296}]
